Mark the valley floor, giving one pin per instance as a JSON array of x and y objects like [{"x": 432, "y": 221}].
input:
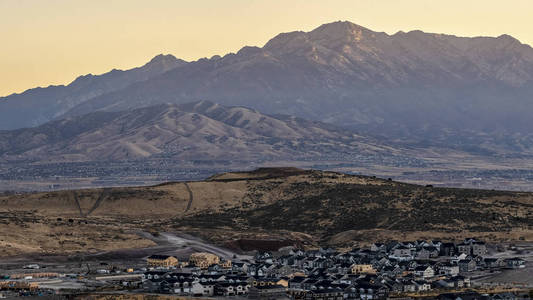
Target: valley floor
[{"x": 444, "y": 170}]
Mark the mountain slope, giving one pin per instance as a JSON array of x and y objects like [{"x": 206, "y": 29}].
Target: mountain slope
[
  {"x": 334, "y": 205},
  {"x": 200, "y": 130},
  {"x": 469, "y": 93},
  {"x": 40, "y": 105},
  {"x": 415, "y": 88}
]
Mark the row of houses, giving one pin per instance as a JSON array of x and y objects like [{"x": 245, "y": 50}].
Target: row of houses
[
  {"x": 325, "y": 273},
  {"x": 200, "y": 260}
]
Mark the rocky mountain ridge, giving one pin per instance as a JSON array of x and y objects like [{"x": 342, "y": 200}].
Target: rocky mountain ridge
[
  {"x": 413, "y": 88},
  {"x": 40, "y": 105},
  {"x": 469, "y": 93}
]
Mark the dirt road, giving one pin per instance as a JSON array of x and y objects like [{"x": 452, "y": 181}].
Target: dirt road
[{"x": 197, "y": 245}]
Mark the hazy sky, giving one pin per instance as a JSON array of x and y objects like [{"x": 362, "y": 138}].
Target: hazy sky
[{"x": 45, "y": 42}]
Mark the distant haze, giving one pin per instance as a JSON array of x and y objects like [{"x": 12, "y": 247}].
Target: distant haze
[
  {"x": 52, "y": 42},
  {"x": 413, "y": 88}
]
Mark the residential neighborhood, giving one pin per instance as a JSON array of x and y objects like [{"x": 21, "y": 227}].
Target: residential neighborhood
[
  {"x": 390, "y": 270},
  {"x": 382, "y": 271}
]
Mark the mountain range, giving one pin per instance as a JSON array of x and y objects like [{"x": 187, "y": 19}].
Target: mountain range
[
  {"x": 40, "y": 105},
  {"x": 194, "y": 131},
  {"x": 409, "y": 89}
]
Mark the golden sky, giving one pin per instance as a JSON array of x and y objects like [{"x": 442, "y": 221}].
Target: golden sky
[{"x": 45, "y": 42}]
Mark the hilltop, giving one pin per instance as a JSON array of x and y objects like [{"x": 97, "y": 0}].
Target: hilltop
[{"x": 306, "y": 206}]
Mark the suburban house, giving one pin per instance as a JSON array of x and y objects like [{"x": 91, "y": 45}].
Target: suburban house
[
  {"x": 493, "y": 263},
  {"x": 268, "y": 292},
  {"x": 424, "y": 272},
  {"x": 363, "y": 269},
  {"x": 203, "y": 260},
  {"x": 466, "y": 265},
  {"x": 225, "y": 263},
  {"x": 401, "y": 253},
  {"x": 163, "y": 261},
  {"x": 473, "y": 247},
  {"x": 448, "y": 269},
  {"x": 447, "y": 249},
  {"x": 515, "y": 263},
  {"x": 230, "y": 288}
]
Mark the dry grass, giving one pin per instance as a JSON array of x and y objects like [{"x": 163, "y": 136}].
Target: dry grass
[{"x": 237, "y": 205}]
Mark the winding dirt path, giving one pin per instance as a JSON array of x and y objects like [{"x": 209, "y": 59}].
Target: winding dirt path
[
  {"x": 191, "y": 197},
  {"x": 77, "y": 203}
]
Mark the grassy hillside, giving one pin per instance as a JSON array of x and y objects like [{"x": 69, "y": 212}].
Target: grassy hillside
[
  {"x": 332, "y": 205},
  {"x": 308, "y": 205}
]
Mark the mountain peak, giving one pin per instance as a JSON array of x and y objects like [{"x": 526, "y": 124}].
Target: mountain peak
[
  {"x": 83, "y": 79},
  {"x": 249, "y": 51},
  {"x": 163, "y": 62},
  {"x": 341, "y": 30},
  {"x": 163, "y": 59},
  {"x": 508, "y": 38},
  {"x": 340, "y": 26},
  {"x": 283, "y": 40},
  {"x": 335, "y": 33}
]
